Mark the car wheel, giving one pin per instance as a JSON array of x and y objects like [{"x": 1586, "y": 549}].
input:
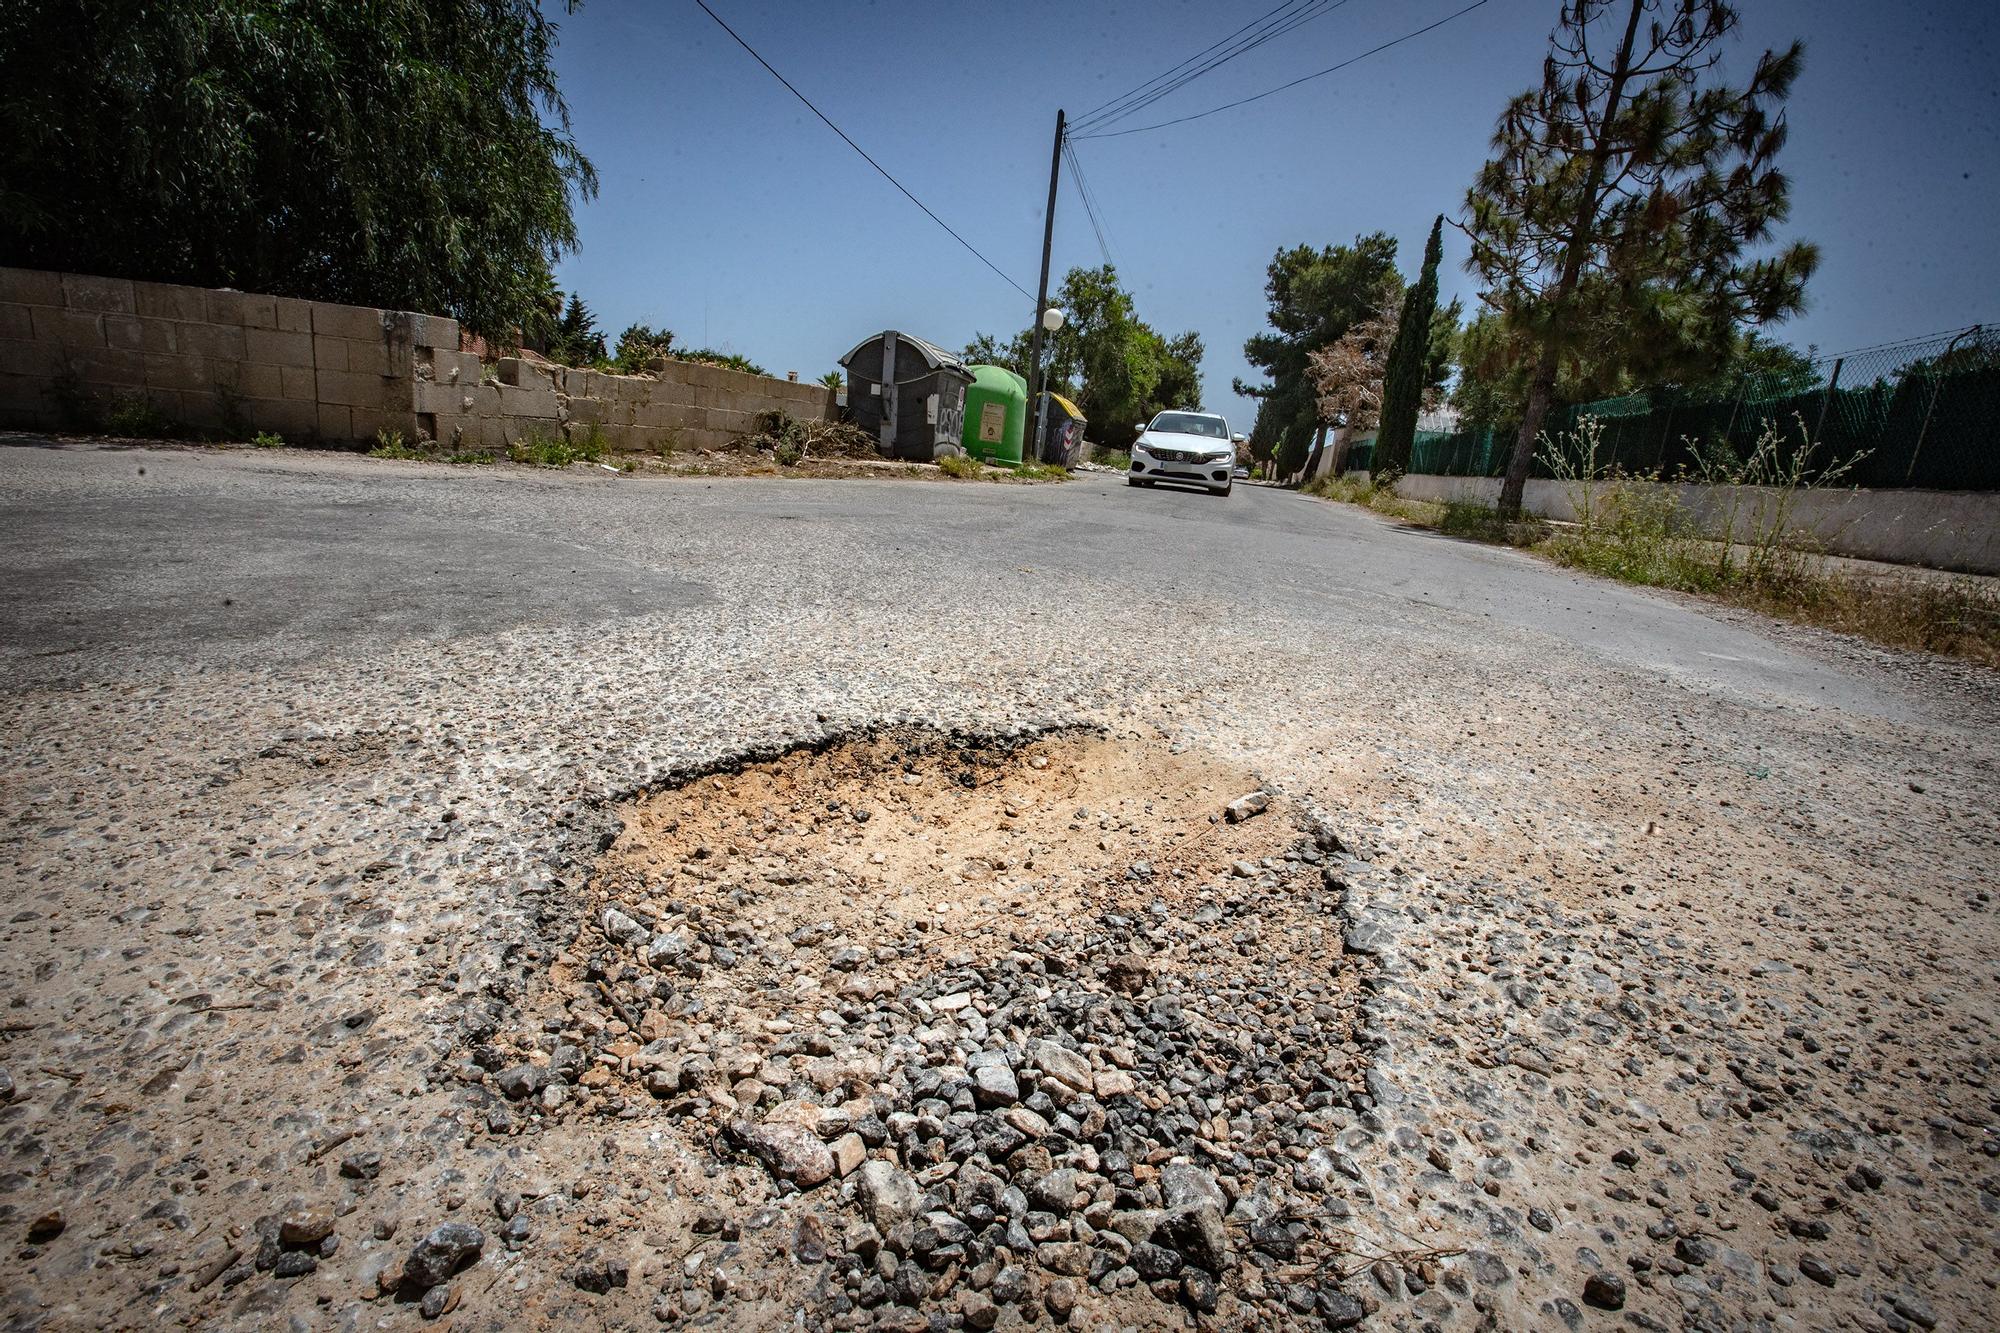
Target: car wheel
[
  {"x": 1132, "y": 481},
  {"x": 1224, "y": 492}
]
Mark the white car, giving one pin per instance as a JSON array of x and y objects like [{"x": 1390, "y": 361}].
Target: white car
[{"x": 1191, "y": 447}]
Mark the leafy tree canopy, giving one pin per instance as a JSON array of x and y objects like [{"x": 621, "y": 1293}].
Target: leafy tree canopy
[
  {"x": 1315, "y": 297},
  {"x": 413, "y": 154},
  {"x": 987, "y": 350},
  {"x": 1114, "y": 365},
  {"x": 1347, "y": 376},
  {"x": 1493, "y": 365},
  {"x": 639, "y": 344}
]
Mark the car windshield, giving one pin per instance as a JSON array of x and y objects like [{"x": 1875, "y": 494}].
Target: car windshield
[{"x": 1187, "y": 423}]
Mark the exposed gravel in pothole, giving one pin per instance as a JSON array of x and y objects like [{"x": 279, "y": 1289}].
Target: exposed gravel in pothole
[{"x": 941, "y": 1030}]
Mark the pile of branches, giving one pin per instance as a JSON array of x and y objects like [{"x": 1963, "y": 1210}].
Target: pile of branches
[{"x": 790, "y": 440}]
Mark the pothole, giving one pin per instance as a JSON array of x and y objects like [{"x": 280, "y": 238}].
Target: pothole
[{"x": 914, "y": 1029}]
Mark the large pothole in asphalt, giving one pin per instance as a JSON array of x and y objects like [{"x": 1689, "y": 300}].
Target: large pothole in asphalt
[{"x": 998, "y": 1033}]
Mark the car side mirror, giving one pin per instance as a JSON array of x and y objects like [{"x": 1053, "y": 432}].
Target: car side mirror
[
  {"x": 1237, "y": 439},
  {"x": 1140, "y": 427}
]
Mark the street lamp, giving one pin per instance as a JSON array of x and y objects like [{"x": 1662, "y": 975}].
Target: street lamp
[{"x": 1038, "y": 387}]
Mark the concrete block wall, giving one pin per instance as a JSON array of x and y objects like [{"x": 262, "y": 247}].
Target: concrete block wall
[
  {"x": 337, "y": 374},
  {"x": 206, "y": 359},
  {"x": 675, "y": 405},
  {"x": 1953, "y": 530}
]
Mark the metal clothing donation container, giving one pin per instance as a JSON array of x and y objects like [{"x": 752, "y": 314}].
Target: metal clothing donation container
[
  {"x": 908, "y": 394},
  {"x": 996, "y": 415},
  {"x": 1062, "y": 431}
]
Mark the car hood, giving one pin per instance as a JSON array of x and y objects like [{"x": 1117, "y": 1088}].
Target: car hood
[{"x": 1173, "y": 439}]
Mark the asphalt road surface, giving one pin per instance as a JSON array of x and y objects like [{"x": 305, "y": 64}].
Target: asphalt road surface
[
  {"x": 254, "y": 560},
  {"x": 1679, "y": 918}
]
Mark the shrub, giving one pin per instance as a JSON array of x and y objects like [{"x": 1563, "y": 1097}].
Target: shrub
[
  {"x": 707, "y": 356},
  {"x": 390, "y": 444},
  {"x": 229, "y": 412},
  {"x": 960, "y": 466},
  {"x": 1478, "y": 521},
  {"x": 544, "y": 450},
  {"x": 1640, "y": 532},
  {"x": 135, "y": 415},
  {"x": 1638, "y": 529},
  {"x": 265, "y": 439}
]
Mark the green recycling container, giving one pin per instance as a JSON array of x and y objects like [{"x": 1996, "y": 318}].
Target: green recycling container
[{"x": 996, "y": 415}]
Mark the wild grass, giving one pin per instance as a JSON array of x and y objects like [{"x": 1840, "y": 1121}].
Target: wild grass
[
  {"x": 390, "y": 444},
  {"x": 544, "y": 450},
  {"x": 964, "y": 467},
  {"x": 1382, "y": 498}
]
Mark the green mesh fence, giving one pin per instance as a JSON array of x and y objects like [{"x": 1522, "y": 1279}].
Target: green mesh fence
[{"x": 1923, "y": 413}]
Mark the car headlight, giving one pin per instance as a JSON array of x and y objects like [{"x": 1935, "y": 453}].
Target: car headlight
[{"x": 1217, "y": 458}]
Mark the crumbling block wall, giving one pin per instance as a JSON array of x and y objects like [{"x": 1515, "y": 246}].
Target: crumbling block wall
[
  {"x": 675, "y": 405},
  {"x": 73, "y": 345}
]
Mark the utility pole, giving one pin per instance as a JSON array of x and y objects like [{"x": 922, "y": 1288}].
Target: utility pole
[{"x": 1033, "y": 453}]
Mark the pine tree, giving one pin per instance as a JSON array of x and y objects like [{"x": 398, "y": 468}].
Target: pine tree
[
  {"x": 576, "y": 340},
  {"x": 1614, "y": 218},
  {"x": 1409, "y": 360}
]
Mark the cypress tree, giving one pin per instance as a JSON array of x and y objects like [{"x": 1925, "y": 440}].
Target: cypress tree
[{"x": 1409, "y": 358}]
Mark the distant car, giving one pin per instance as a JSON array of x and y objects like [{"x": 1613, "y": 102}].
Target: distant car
[
  {"x": 1191, "y": 447},
  {"x": 1240, "y": 473}
]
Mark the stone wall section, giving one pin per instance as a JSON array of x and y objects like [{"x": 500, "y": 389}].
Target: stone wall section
[
  {"x": 217, "y": 360},
  {"x": 675, "y": 405}
]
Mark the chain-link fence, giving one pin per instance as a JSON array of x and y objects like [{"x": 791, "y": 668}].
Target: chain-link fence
[{"x": 1922, "y": 413}]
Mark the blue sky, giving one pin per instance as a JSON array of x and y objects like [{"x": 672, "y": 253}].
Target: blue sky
[{"x": 729, "y": 214}]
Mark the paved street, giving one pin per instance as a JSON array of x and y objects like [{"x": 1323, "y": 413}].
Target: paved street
[
  {"x": 249, "y": 560},
  {"x": 1681, "y": 919}
]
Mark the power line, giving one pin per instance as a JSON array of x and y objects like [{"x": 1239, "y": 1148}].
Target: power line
[
  {"x": 1137, "y": 105},
  {"x": 1260, "y": 31},
  {"x": 1196, "y": 56},
  {"x": 1306, "y": 78},
  {"x": 1200, "y": 62},
  {"x": 864, "y": 152},
  {"x": 1089, "y": 199}
]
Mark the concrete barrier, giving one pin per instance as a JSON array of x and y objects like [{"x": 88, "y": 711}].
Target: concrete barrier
[{"x": 1955, "y": 530}]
